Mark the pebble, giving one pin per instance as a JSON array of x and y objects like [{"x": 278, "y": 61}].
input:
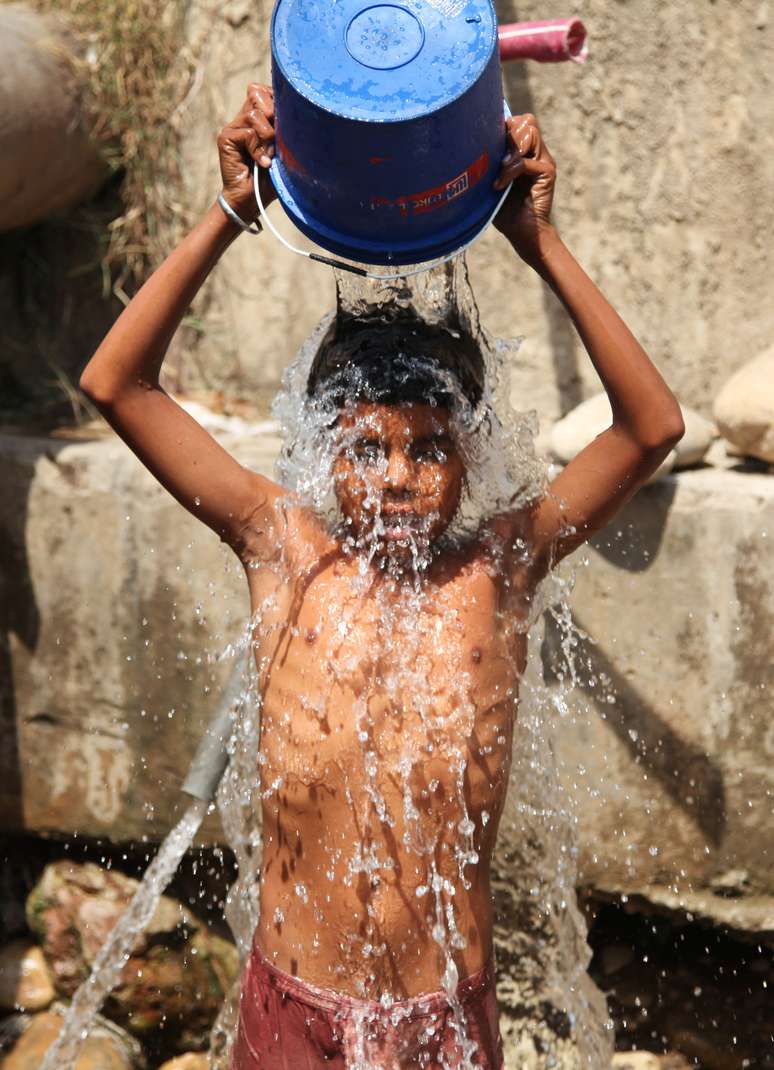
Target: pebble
[
  {"x": 192, "y": 1060},
  {"x": 636, "y": 1060}
]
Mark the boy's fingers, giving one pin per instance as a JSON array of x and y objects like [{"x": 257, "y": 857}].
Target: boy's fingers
[
  {"x": 242, "y": 139},
  {"x": 261, "y": 125},
  {"x": 262, "y": 97},
  {"x": 527, "y": 165},
  {"x": 509, "y": 172},
  {"x": 524, "y": 134}
]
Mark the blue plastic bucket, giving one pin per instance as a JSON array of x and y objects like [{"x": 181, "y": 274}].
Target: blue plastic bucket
[{"x": 390, "y": 128}]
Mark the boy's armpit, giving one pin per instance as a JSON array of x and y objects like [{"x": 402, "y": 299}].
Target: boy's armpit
[
  {"x": 524, "y": 553},
  {"x": 259, "y": 533}
]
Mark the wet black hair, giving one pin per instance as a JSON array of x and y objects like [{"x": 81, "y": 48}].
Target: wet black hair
[{"x": 396, "y": 360}]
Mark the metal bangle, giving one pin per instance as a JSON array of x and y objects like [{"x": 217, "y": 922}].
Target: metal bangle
[{"x": 255, "y": 228}]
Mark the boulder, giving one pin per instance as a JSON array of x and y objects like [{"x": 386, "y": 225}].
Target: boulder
[
  {"x": 106, "y": 1048},
  {"x": 25, "y": 983},
  {"x": 581, "y": 426},
  {"x": 35, "y": 55},
  {"x": 744, "y": 408},
  {"x": 589, "y": 419},
  {"x": 176, "y": 976},
  {"x": 699, "y": 435}
]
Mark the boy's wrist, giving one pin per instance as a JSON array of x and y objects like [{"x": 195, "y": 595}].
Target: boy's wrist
[
  {"x": 538, "y": 247},
  {"x": 225, "y": 229},
  {"x": 245, "y": 217}
]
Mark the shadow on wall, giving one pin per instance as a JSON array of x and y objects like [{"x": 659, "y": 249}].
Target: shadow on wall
[
  {"x": 19, "y": 623},
  {"x": 563, "y": 340},
  {"x": 686, "y": 773},
  {"x": 55, "y": 308},
  {"x": 631, "y": 544}
]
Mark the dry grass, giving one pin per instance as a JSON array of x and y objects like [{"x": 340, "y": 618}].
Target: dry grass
[{"x": 136, "y": 73}]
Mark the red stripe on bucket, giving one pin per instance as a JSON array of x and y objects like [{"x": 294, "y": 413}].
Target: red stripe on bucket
[{"x": 431, "y": 199}]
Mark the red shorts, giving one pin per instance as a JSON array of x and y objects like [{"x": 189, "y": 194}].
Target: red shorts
[{"x": 286, "y": 1024}]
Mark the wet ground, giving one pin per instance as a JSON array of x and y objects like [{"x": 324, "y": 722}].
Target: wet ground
[{"x": 674, "y": 985}]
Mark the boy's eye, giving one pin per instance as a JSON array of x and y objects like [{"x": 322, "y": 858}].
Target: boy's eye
[
  {"x": 367, "y": 451},
  {"x": 430, "y": 454}
]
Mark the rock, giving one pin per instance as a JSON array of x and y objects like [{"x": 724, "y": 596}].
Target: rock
[
  {"x": 636, "y": 1060},
  {"x": 35, "y": 53},
  {"x": 699, "y": 436},
  {"x": 192, "y": 1060},
  {"x": 177, "y": 974},
  {"x": 703, "y": 1052},
  {"x": 106, "y": 1048},
  {"x": 674, "y": 1060},
  {"x": 103, "y": 739},
  {"x": 744, "y": 408},
  {"x": 578, "y": 428},
  {"x": 25, "y": 983}
]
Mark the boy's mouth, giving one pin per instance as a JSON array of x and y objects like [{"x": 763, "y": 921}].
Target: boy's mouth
[{"x": 401, "y": 524}]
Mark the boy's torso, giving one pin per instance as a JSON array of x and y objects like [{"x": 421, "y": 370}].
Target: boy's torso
[{"x": 386, "y": 730}]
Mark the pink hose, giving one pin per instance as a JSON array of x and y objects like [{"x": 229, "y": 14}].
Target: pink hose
[{"x": 547, "y": 42}]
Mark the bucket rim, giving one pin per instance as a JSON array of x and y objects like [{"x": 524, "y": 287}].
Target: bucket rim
[
  {"x": 276, "y": 60},
  {"x": 364, "y": 251}
]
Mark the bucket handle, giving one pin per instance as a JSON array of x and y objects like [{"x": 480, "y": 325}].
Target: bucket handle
[{"x": 362, "y": 272}]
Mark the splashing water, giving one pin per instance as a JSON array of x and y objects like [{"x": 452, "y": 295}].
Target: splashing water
[
  {"x": 389, "y": 667},
  {"x": 379, "y": 714}
]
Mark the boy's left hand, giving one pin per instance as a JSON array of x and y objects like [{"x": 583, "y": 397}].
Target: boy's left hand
[{"x": 526, "y": 213}]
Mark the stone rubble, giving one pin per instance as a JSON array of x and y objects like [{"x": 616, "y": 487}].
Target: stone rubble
[{"x": 173, "y": 984}]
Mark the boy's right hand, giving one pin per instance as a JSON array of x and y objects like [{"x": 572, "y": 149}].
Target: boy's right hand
[
  {"x": 248, "y": 138},
  {"x": 529, "y": 165}
]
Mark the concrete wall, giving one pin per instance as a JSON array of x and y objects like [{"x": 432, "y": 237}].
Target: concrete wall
[
  {"x": 665, "y": 146},
  {"x": 113, "y": 597}
]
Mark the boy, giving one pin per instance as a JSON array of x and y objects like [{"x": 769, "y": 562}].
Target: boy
[{"x": 389, "y": 654}]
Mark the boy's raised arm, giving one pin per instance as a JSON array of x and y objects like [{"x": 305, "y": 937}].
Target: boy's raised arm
[
  {"x": 122, "y": 377},
  {"x": 647, "y": 421}
]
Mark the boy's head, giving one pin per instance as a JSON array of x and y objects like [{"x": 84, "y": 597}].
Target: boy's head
[{"x": 396, "y": 387}]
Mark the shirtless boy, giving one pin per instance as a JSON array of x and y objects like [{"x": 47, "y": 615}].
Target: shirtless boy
[{"x": 388, "y": 688}]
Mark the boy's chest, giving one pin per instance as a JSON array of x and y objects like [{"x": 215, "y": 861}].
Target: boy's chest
[{"x": 388, "y": 673}]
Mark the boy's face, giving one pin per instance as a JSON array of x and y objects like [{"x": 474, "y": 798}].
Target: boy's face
[{"x": 399, "y": 475}]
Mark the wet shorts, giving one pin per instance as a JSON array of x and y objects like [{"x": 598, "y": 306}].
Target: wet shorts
[{"x": 286, "y": 1024}]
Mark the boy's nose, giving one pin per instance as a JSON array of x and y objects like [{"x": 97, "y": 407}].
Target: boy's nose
[{"x": 398, "y": 470}]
